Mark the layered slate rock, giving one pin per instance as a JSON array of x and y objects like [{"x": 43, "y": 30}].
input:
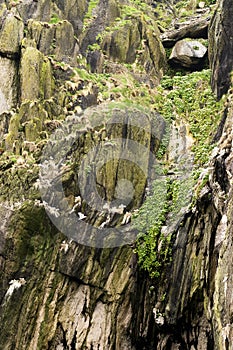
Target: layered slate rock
[
  {"x": 195, "y": 28},
  {"x": 188, "y": 53},
  {"x": 57, "y": 294},
  {"x": 221, "y": 47}
]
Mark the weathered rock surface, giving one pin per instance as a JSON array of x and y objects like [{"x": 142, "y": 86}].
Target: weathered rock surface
[
  {"x": 123, "y": 37},
  {"x": 43, "y": 10},
  {"x": 54, "y": 292},
  {"x": 11, "y": 34},
  {"x": 221, "y": 52},
  {"x": 36, "y": 75},
  {"x": 198, "y": 308},
  {"x": 9, "y": 82},
  {"x": 196, "y": 28},
  {"x": 56, "y": 40},
  {"x": 188, "y": 53},
  {"x": 88, "y": 296}
]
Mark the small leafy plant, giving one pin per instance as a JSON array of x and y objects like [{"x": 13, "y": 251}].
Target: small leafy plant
[{"x": 54, "y": 19}]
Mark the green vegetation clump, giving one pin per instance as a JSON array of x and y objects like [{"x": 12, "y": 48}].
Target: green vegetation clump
[
  {"x": 189, "y": 98},
  {"x": 182, "y": 97},
  {"x": 91, "y": 7},
  {"x": 153, "y": 247},
  {"x": 94, "y": 47},
  {"x": 155, "y": 221},
  {"x": 121, "y": 87},
  {"x": 54, "y": 19}
]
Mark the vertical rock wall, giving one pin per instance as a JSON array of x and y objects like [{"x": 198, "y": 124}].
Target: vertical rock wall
[
  {"x": 197, "y": 308},
  {"x": 221, "y": 47},
  {"x": 198, "y": 305}
]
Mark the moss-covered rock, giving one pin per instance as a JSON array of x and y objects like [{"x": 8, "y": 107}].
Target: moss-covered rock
[
  {"x": 11, "y": 34},
  {"x": 56, "y": 40},
  {"x": 122, "y": 43},
  {"x": 36, "y": 79},
  {"x": 30, "y": 125},
  {"x": 129, "y": 35}
]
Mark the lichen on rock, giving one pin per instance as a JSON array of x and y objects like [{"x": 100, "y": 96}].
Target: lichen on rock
[
  {"x": 11, "y": 35},
  {"x": 36, "y": 75}
]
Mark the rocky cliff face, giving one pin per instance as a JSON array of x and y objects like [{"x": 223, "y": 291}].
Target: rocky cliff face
[
  {"x": 198, "y": 307},
  {"x": 80, "y": 130},
  {"x": 221, "y": 50}
]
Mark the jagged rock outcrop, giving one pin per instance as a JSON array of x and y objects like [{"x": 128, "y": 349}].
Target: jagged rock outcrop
[
  {"x": 221, "y": 52},
  {"x": 35, "y": 75},
  {"x": 87, "y": 294},
  {"x": 11, "y": 35},
  {"x": 123, "y": 36},
  {"x": 43, "y": 10},
  {"x": 196, "y": 28},
  {"x": 56, "y": 40}
]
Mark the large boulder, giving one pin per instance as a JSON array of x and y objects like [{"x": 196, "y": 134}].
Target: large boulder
[
  {"x": 188, "y": 53},
  {"x": 221, "y": 47}
]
